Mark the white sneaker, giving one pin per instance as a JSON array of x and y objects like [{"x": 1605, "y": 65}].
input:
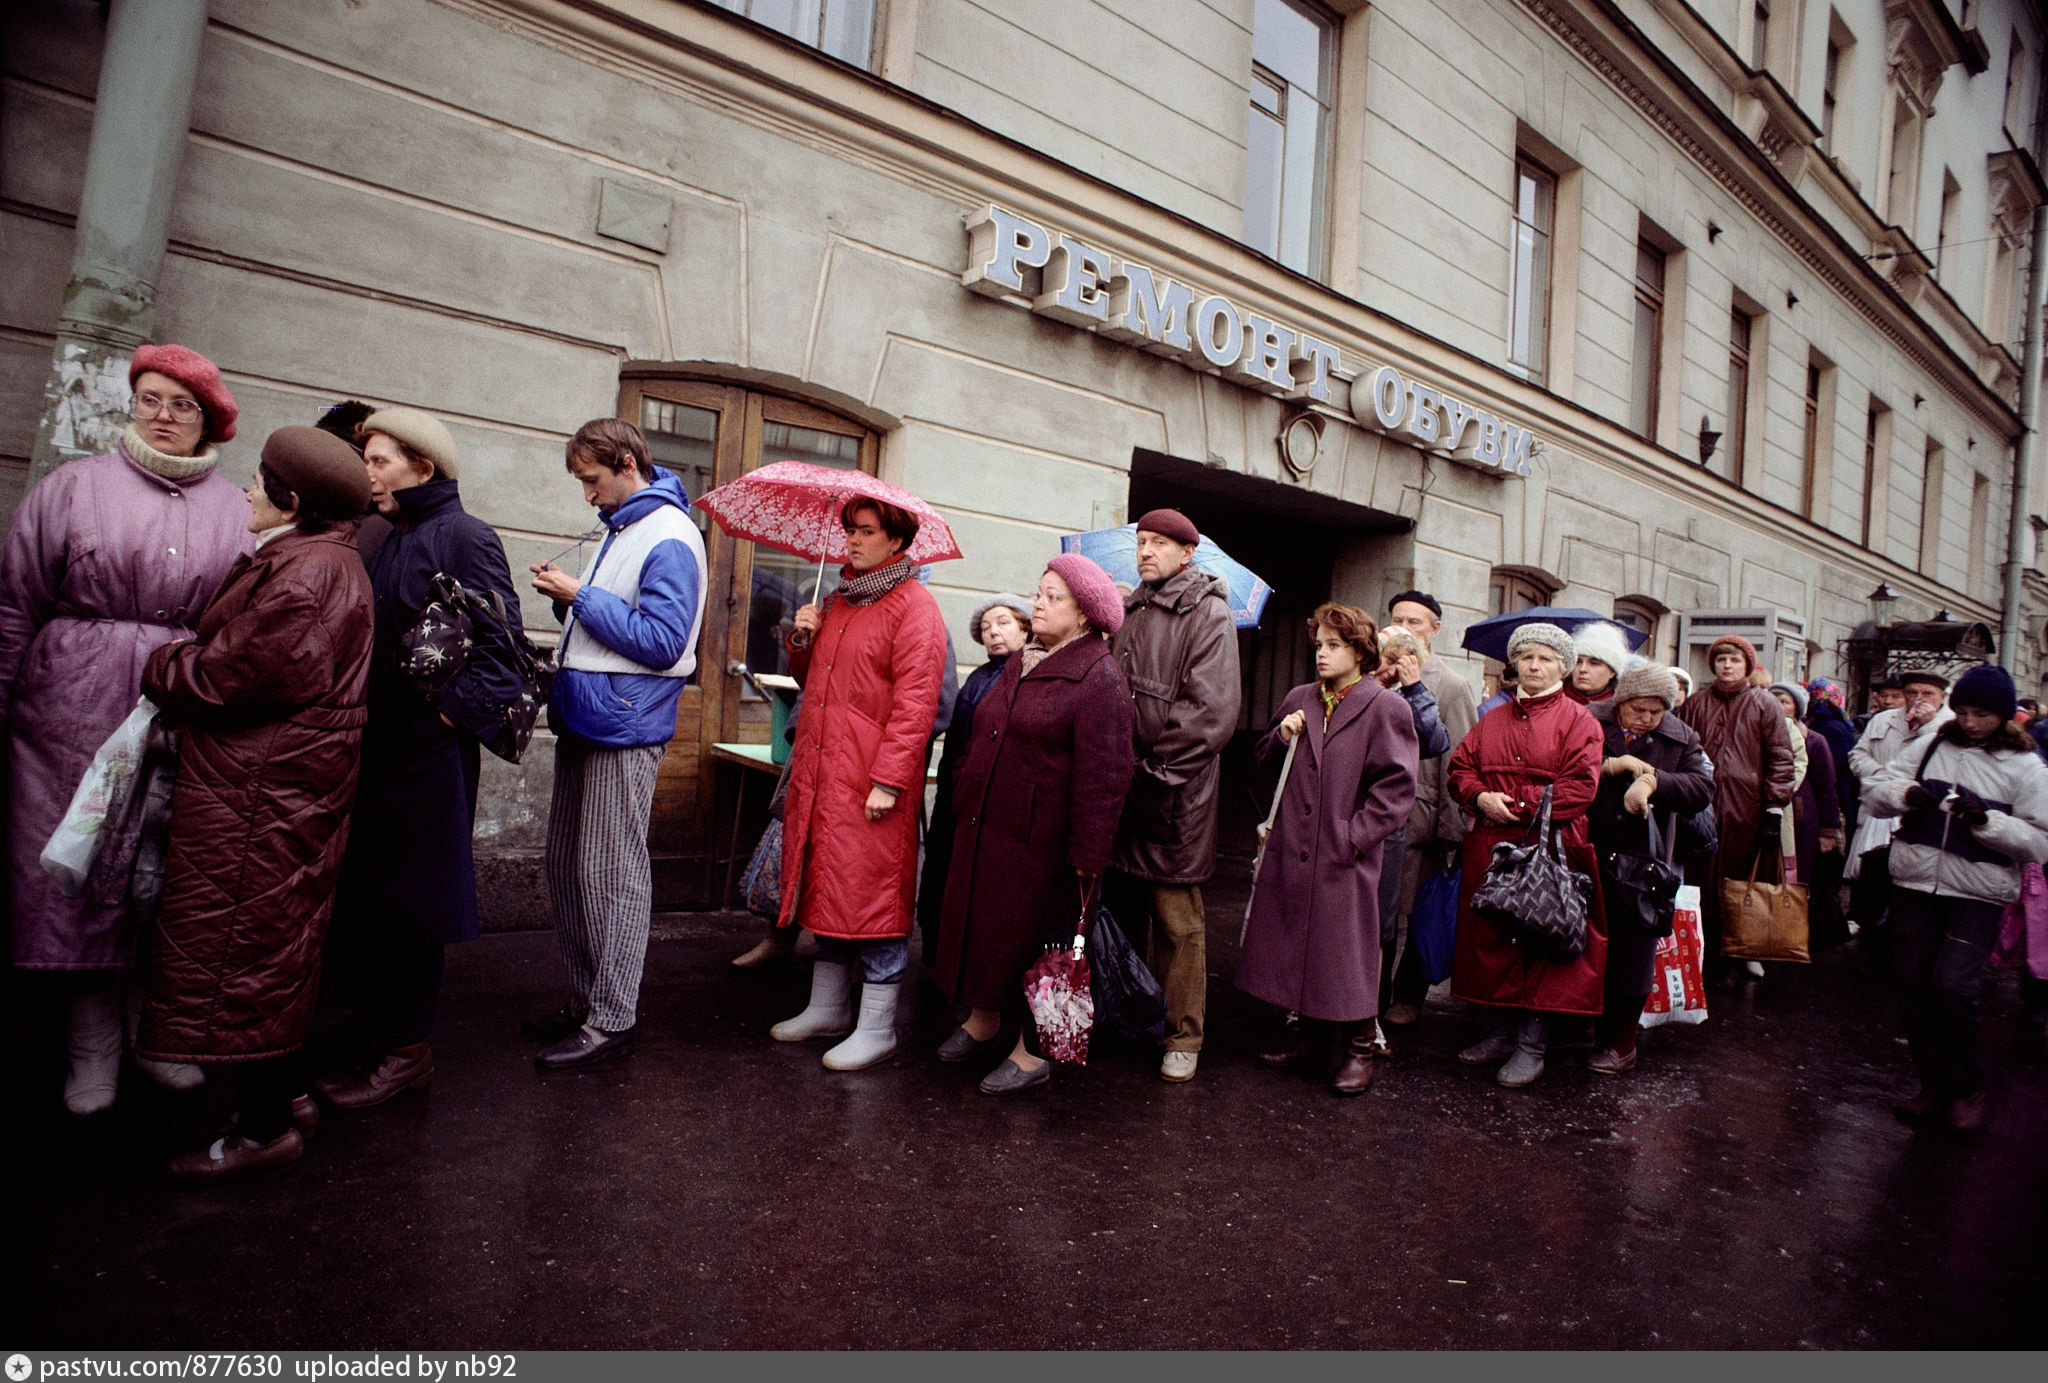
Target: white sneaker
[{"x": 1178, "y": 1066}]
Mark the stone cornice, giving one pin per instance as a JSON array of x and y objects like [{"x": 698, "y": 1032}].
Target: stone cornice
[
  {"x": 1690, "y": 119},
  {"x": 1921, "y": 42}
]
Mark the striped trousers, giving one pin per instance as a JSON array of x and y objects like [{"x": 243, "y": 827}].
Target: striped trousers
[{"x": 599, "y": 881}]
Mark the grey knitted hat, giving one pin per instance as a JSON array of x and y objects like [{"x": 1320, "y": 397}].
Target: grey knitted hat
[
  {"x": 1647, "y": 680},
  {"x": 1796, "y": 692},
  {"x": 1550, "y": 636},
  {"x": 1017, "y": 603}
]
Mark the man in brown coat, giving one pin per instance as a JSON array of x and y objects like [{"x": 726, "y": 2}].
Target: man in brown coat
[
  {"x": 1743, "y": 732},
  {"x": 1178, "y": 651}
]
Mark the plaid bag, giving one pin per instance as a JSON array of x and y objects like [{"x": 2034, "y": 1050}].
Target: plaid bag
[{"x": 1530, "y": 889}]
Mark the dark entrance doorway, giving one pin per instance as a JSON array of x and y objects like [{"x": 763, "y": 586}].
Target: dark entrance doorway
[{"x": 1294, "y": 538}]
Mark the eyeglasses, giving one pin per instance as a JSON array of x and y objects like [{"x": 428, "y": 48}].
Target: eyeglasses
[{"x": 147, "y": 406}]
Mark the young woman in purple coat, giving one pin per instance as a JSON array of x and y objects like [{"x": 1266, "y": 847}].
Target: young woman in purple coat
[{"x": 1312, "y": 942}]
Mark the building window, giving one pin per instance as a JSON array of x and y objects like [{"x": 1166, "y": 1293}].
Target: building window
[
  {"x": 1519, "y": 588},
  {"x": 1759, "y": 33},
  {"x": 1641, "y": 614},
  {"x": 2017, "y": 125},
  {"x": 1286, "y": 161},
  {"x": 1949, "y": 230},
  {"x": 1998, "y": 298},
  {"x": 845, "y": 29},
  {"x": 1740, "y": 327},
  {"x": 1817, "y": 482},
  {"x": 1979, "y": 580},
  {"x": 1830, "y": 87},
  {"x": 1644, "y": 378},
  {"x": 1812, "y": 433},
  {"x": 1902, "y": 171},
  {"x": 1877, "y": 437},
  {"x": 1933, "y": 482},
  {"x": 1529, "y": 269}
]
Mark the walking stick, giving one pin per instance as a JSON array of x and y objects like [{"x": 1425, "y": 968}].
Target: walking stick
[{"x": 1266, "y": 831}]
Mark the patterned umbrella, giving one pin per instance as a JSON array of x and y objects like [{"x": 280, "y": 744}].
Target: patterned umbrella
[
  {"x": 1115, "y": 550},
  {"x": 794, "y": 506}
]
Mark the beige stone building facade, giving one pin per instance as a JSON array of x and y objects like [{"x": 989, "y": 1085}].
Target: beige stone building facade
[{"x": 1653, "y": 307}]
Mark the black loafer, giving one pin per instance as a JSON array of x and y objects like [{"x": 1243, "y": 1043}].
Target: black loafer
[
  {"x": 1009, "y": 1078},
  {"x": 584, "y": 1047},
  {"x": 551, "y": 1027},
  {"x": 961, "y": 1046}
]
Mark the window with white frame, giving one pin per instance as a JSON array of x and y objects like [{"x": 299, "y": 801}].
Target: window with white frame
[
  {"x": 845, "y": 29},
  {"x": 1645, "y": 369},
  {"x": 1529, "y": 269},
  {"x": 1286, "y": 161}
]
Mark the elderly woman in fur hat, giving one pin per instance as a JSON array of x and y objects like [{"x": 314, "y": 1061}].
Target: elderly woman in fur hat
[
  {"x": 1038, "y": 799},
  {"x": 1001, "y": 624},
  {"x": 1540, "y": 739}
]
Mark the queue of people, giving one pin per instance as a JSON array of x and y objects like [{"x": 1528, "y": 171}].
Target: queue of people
[{"x": 320, "y": 854}]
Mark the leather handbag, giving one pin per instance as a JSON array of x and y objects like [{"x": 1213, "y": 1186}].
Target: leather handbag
[
  {"x": 1763, "y": 921},
  {"x": 1530, "y": 890},
  {"x": 434, "y": 649},
  {"x": 1641, "y": 891}
]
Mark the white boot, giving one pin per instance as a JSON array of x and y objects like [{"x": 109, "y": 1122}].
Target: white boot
[
  {"x": 95, "y": 1023},
  {"x": 171, "y": 1075},
  {"x": 830, "y": 1013},
  {"x": 874, "y": 1041}
]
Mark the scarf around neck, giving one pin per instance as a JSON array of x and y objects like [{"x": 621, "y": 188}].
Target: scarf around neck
[
  {"x": 867, "y": 587},
  {"x": 1333, "y": 698},
  {"x": 163, "y": 463}
]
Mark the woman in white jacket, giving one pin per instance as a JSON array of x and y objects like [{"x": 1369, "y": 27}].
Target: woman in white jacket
[{"x": 1972, "y": 801}]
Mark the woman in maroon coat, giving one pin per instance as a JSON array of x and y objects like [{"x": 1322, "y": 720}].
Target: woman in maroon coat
[
  {"x": 1036, "y": 805},
  {"x": 1312, "y": 940},
  {"x": 1541, "y": 738},
  {"x": 269, "y": 703}
]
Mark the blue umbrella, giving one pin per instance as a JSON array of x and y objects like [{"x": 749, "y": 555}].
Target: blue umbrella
[
  {"x": 1490, "y": 636},
  {"x": 1115, "y": 550}
]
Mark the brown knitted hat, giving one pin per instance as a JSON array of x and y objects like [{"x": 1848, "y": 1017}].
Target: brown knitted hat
[
  {"x": 325, "y": 472},
  {"x": 1650, "y": 681},
  {"x": 1739, "y": 644}
]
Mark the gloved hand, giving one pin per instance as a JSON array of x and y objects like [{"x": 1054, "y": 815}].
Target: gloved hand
[
  {"x": 1967, "y": 807},
  {"x": 1917, "y": 796},
  {"x": 1774, "y": 820}
]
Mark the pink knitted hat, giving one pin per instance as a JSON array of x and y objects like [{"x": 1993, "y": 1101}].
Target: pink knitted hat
[
  {"x": 198, "y": 374},
  {"x": 1093, "y": 591}
]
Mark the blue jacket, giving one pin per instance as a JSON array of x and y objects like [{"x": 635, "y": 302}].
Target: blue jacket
[{"x": 656, "y": 630}]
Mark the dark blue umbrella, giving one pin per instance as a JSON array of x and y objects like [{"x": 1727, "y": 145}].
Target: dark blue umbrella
[
  {"x": 1490, "y": 636},
  {"x": 1115, "y": 550}
]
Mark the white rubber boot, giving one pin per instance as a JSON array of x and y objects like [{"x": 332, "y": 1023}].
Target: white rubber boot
[
  {"x": 171, "y": 1075},
  {"x": 830, "y": 1012},
  {"x": 95, "y": 1024},
  {"x": 874, "y": 1041}
]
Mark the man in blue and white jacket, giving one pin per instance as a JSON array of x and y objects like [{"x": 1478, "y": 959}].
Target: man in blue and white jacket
[{"x": 629, "y": 638}]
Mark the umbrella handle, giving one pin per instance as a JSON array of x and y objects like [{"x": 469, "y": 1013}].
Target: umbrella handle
[{"x": 818, "y": 589}]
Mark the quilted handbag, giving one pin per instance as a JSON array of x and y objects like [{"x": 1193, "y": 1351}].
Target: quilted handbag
[
  {"x": 1640, "y": 890},
  {"x": 434, "y": 650},
  {"x": 762, "y": 884},
  {"x": 1530, "y": 890}
]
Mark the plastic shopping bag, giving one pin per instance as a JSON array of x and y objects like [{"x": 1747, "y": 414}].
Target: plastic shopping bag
[
  {"x": 1433, "y": 924},
  {"x": 102, "y": 795},
  {"x": 1678, "y": 979}
]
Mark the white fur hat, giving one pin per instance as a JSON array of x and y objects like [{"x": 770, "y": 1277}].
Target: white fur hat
[{"x": 1603, "y": 642}]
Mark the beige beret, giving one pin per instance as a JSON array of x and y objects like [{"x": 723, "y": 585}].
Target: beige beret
[{"x": 422, "y": 432}]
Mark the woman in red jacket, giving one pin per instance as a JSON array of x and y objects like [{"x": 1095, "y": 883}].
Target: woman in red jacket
[
  {"x": 1540, "y": 738},
  {"x": 870, "y": 665}
]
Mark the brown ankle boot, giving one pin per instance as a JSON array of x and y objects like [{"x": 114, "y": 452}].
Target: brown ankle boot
[
  {"x": 403, "y": 1068},
  {"x": 1354, "y": 1067},
  {"x": 1290, "y": 1047}
]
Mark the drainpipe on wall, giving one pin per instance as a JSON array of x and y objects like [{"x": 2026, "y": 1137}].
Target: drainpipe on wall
[
  {"x": 2025, "y": 446},
  {"x": 140, "y": 117}
]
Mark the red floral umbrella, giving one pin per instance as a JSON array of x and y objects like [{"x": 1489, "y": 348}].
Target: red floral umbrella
[{"x": 795, "y": 506}]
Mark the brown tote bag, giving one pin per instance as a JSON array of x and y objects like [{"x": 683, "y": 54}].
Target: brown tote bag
[{"x": 1763, "y": 921}]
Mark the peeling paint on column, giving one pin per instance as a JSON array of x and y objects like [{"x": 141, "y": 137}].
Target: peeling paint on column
[{"x": 85, "y": 403}]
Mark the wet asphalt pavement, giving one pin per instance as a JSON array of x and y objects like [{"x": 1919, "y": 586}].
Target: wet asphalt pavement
[{"x": 1747, "y": 1187}]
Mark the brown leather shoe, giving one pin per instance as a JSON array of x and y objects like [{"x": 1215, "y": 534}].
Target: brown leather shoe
[
  {"x": 779, "y": 944},
  {"x": 1401, "y": 1014},
  {"x": 1966, "y": 1115},
  {"x": 1288, "y": 1051},
  {"x": 403, "y": 1068},
  {"x": 232, "y": 1157},
  {"x": 1354, "y": 1070},
  {"x": 1927, "y": 1105}
]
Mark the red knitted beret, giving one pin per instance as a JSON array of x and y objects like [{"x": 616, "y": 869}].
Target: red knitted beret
[
  {"x": 1092, "y": 589},
  {"x": 198, "y": 374}
]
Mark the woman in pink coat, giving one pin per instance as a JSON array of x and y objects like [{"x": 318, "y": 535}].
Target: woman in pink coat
[
  {"x": 109, "y": 557},
  {"x": 870, "y": 665}
]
